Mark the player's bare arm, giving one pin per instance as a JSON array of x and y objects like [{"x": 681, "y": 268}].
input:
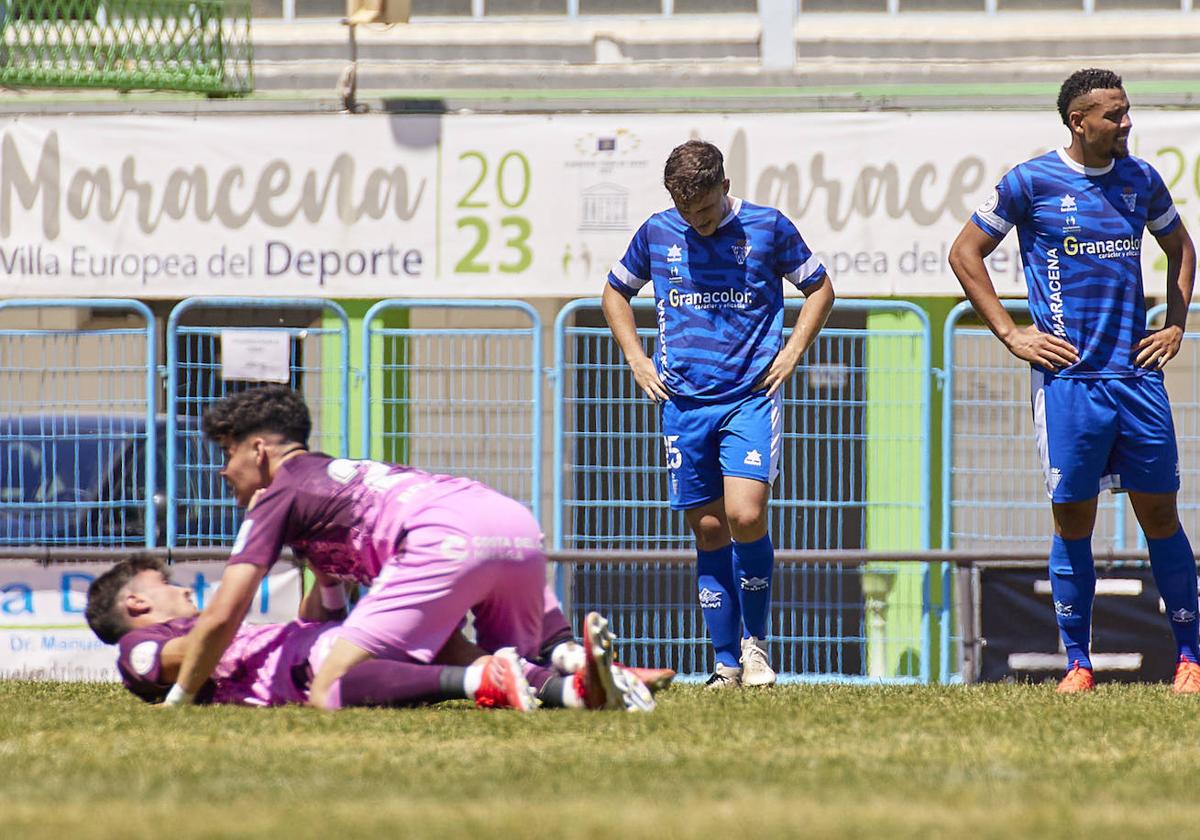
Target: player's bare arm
[
  {"x": 216, "y": 627},
  {"x": 1160, "y": 346},
  {"x": 325, "y": 600},
  {"x": 818, "y": 302},
  {"x": 967, "y": 256},
  {"x": 618, "y": 311}
]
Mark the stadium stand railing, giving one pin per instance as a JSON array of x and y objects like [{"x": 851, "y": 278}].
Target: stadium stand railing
[
  {"x": 446, "y": 386},
  {"x": 201, "y": 46},
  {"x": 316, "y": 339},
  {"x": 480, "y": 9}
]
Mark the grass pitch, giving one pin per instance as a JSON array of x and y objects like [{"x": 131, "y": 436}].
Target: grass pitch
[{"x": 813, "y": 761}]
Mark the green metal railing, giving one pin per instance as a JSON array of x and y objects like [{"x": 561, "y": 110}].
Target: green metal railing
[{"x": 189, "y": 45}]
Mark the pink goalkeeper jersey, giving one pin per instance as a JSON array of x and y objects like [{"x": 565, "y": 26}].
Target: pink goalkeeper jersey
[
  {"x": 264, "y": 665},
  {"x": 347, "y": 517}
]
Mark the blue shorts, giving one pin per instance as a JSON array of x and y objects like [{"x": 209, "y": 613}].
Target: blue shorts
[
  {"x": 705, "y": 442},
  {"x": 1098, "y": 434}
]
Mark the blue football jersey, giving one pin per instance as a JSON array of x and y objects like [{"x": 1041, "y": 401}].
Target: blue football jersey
[
  {"x": 719, "y": 298},
  {"x": 1080, "y": 233}
]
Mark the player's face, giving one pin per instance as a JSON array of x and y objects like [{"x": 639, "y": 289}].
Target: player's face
[
  {"x": 1105, "y": 123},
  {"x": 244, "y": 470},
  {"x": 705, "y": 213},
  {"x": 161, "y": 599}
]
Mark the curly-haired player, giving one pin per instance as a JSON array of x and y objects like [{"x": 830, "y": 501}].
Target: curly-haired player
[{"x": 430, "y": 547}]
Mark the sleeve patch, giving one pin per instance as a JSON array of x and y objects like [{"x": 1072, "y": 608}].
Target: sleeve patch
[{"x": 142, "y": 657}]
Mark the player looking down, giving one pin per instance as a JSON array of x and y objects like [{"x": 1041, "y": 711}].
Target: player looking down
[
  {"x": 716, "y": 264},
  {"x": 135, "y": 606},
  {"x": 430, "y": 547},
  {"x": 1099, "y": 406}
]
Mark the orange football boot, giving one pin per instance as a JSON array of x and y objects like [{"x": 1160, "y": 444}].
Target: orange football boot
[
  {"x": 1078, "y": 679},
  {"x": 1187, "y": 678}
]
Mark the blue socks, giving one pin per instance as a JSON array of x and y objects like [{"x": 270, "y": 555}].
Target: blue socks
[
  {"x": 1073, "y": 586},
  {"x": 753, "y": 563},
  {"x": 1174, "y": 569},
  {"x": 719, "y": 603}
]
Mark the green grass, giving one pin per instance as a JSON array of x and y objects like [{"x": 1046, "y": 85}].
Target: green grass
[{"x": 827, "y": 761}]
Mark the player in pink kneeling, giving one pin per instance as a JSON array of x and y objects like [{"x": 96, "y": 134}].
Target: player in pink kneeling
[
  {"x": 430, "y": 547},
  {"x": 135, "y": 606}
]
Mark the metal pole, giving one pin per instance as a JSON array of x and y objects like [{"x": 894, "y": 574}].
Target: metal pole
[{"x": 777, "y": 43}]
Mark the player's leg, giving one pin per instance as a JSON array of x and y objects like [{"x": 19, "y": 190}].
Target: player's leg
[
  {"x": 696, "y": 488},
  {"x": 1075, "y": 422},
  {"x": 719, "y": 603},
  {"x": 1073, "y": 587},
  {"x": 750, "y": 442},
  {"x": 494, "y": 681},
  {"x": 510, "y": 576},
  {"x": 1148, "y": 460}
]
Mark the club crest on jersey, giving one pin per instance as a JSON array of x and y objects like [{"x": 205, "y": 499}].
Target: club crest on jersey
[
  {"x": 1130, "y": 198},
  {"x": 1068, "y": 204},
  {"x": 675, "y": 254},
  {"x": 741, "y": 250}
]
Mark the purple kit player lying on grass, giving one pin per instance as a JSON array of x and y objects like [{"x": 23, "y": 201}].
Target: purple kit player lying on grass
[
  {"x": 136, "y": 607},
  {"x": 430, "y": 547}
]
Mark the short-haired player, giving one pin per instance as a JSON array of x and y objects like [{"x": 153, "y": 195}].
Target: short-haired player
[
  {"x": 1100, "y": 407},
  {"x": 717, "y": 264}
]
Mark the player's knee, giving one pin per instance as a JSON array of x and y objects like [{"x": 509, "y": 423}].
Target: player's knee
[
  {"x": 710, "y": 532},
  {"x": 747, "y": 524},
  {"x": 1159, "y": 521}
]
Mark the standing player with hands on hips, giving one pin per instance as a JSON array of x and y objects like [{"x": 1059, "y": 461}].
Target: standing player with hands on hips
[
  {"x": 1099, "y": 405},
  {"x": 716, "y": 264}
]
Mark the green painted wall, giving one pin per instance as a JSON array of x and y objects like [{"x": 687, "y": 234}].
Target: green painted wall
[{"x": 896, "y": 593}]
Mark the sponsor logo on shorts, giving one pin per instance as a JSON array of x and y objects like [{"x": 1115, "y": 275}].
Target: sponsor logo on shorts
[
  {"x": 1064, "y": 610},
  {"x": 1182, "y": 616},
  {"x": 753, "y": 458},
  {"x": 753, "y": 584},
  {"x": 142, "y": 657},
  {"x": 709, "y": 600},
  {"x": 454, "y": 547}
]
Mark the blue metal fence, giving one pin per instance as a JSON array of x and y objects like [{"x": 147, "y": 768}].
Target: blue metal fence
[
  {"x": 318, "y": 365},
  {"x": 855, "y": 476},
  {"x": 455, "y": 386},
  {"x": 79, "y": 444},
  {"x": 994, "y": 494},
  {"x": 1182, "y": 376}
]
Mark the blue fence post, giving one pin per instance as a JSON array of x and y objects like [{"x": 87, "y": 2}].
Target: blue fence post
[{"x": 221, "y": 514}]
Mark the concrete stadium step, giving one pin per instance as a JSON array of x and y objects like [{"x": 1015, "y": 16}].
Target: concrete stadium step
[{"x": 914, "y": 36}]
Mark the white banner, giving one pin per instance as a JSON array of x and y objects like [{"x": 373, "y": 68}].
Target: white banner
[
  {"x": 498, "y": 206},
  {"x": 43, "y": 634}
]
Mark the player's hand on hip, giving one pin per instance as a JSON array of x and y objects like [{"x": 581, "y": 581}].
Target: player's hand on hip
[
  {"x": 1039, "y": 348},
  {"x": 781, "y": 368},
  {"x": 1158, "y": 348},
  {"x": 647, "y": 379}
]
